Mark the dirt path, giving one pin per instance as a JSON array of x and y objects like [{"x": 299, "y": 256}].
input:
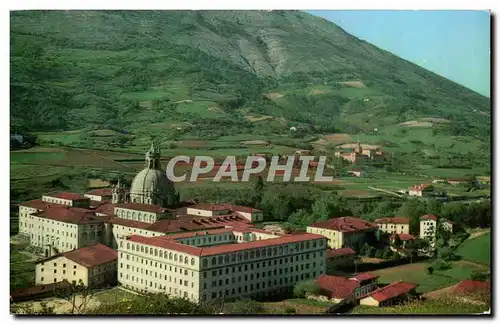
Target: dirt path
[
  {"x": 61, "y": 306},
  {"x": 438, "y": 293}
]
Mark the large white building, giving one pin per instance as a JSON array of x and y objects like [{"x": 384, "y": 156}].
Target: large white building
[
  {"x": 219, "y": 264},
  {"x": 202, "y": 252}
]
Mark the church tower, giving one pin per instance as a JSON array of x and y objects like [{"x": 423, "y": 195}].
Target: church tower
[
  {"x": 153, "y": 157},
  {"x": 151, "y": 185},
  {"x": 118, "y": 194}
]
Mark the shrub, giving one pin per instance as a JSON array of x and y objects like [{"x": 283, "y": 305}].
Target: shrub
[
  {"x": 379, "y": 254},
  {"x": 429, "y": 270},
  {"x": 246, "y": 306},
  {"x": 480, "y": 276},
  {"x": 440, "y": 264},
  {"x": 290, "y": 310},
  {"x": 387, "y": 254},
  {"x": 396, "y": 256},
  {"x": 305, "y": 287},
  {"x": 446, "y": 254}
]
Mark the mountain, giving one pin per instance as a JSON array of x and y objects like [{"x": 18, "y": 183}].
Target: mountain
[{"x": 219, "y": 73}]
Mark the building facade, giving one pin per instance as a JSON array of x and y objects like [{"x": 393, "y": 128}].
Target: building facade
[
  {"x": 394, "y": 225},
  {"x": 428, "y": 226},
  {"x": 93, "y": 266},
  {"x": 344, "y": 232},
  {"x": 220, "y": 264}
]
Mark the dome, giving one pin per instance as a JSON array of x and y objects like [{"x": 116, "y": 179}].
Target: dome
[{"x": 152, "y": 186}]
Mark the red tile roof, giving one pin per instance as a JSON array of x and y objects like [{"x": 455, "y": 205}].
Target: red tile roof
[
  {"x": 228, "y": 207},
  {"x": 447, "y": 221},
  {"x": 420, "y": 187},
  {"x": 403, "y": 237},
  {"x": 365, "y": 276},
  {"x": 393, "y": 220},
  {"x": 195, "y": 234},
  {"x": 428, "y": 216},
  {"x": 345, "y": 224},
  {"x": 393, "y": 290},
  {"x": 165, "y": 242},
  {"x": 143, "y": 207},
  {"x": 71, "y": 215},
  {"x": 106, "y": 208},
  {"x": 101, "y": 192},
  {"x": 336, "y": 287},
  {"x": 66, "y": 195},
  {"x": 92, "y": 255},
  {"x": 30, "y": 292},
  {"x": 467, "y": 287},
  {"x": 37, "y": 204},
  {"x": 333, "y": 253}
]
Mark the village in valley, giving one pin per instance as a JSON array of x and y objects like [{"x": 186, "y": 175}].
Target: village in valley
[
  {"x": 143, "y": 239},
  {"x": 399, "y": 224}
]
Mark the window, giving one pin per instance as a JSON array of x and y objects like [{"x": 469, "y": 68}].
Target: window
[{"x": 41, "y": 278}]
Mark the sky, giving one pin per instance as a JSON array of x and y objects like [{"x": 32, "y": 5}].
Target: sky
[{"x": 454, "y": 44}]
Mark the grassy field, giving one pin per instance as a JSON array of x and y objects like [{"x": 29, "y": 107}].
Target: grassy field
[
  {"x": 439, "y": 279},
  {"x": 442, "y": 306},
  {"x": 22, "y": 270},
  {"x": 477, "y": 249}
]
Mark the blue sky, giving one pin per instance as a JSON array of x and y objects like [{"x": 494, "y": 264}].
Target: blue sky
[{"x": 454, "y": 44}]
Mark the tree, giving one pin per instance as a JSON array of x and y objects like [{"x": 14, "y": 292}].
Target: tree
[
  {"x": 78, "y": 296},
  {"x": 479, "y": 275},
  {"x": 397, "y": 242},
  {"x": 245, "y": 306},
  {"x": 446, "y": 253},
  {"x": 387, "y": 255},
  {"x": 396, "y": 256},
  {"x": 303, "y": 288}
]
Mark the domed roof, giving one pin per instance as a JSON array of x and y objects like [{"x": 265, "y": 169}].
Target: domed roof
[{"x": 152, "y": 181}]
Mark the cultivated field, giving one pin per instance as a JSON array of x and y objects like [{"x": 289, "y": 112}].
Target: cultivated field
[
  {"x": 477, "y": 249},
  {"x": 439, "y": 279}
]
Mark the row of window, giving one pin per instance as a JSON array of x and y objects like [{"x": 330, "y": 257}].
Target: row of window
[
  {"x": 158, "y": 253},
  {"x": 150, "y": 263},
  {"x": 254, "y": 288},
  {"x": 261, "y": 276},
  {"x": 263, "y": 253},
  {"x": 182, "y": 282}
]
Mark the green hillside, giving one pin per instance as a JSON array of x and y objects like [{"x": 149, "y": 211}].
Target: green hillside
[{"x": 184, "y": 75}]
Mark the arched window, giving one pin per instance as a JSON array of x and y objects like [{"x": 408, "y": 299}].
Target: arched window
[
  {"x": 301, "y": 245},
  {"x": 151, "y": 251},
  {"x": 221, "y": 259},
  {"x": 257, "y": 254},
  {"x": 146, "y": 250},
  {"x": 226, "y": 258},
  {"x": 264, "y": 253},
  {"x": 240, "y": 256},
  {"x": 150, "y": 219},
  {"x": 307, "y": 245},
  {"x": 205, "y": 262},
  {"x": 280, "y": 250},
  {"x": 133, "y": 247},
  {"x": 128, "y": 246},
  {"x": 161, "y": 254},
  {"x": 186, "y": 260},
  {"x": 170, "y": 256},
  {"x": 175, "y": 257},
  {"x": 142, "y": 248},
  {"x": 192, "y": 261},
  {"x": 121, "y": 243},
  {"x": 156, "y": 252},
  {"x": 252, "y": 254},
  {"x": 245, "y": 255},
  {"x": 133, "y": 215}
]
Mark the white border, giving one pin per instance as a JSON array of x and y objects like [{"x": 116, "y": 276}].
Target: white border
[{"x": 200, "y": 4}]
